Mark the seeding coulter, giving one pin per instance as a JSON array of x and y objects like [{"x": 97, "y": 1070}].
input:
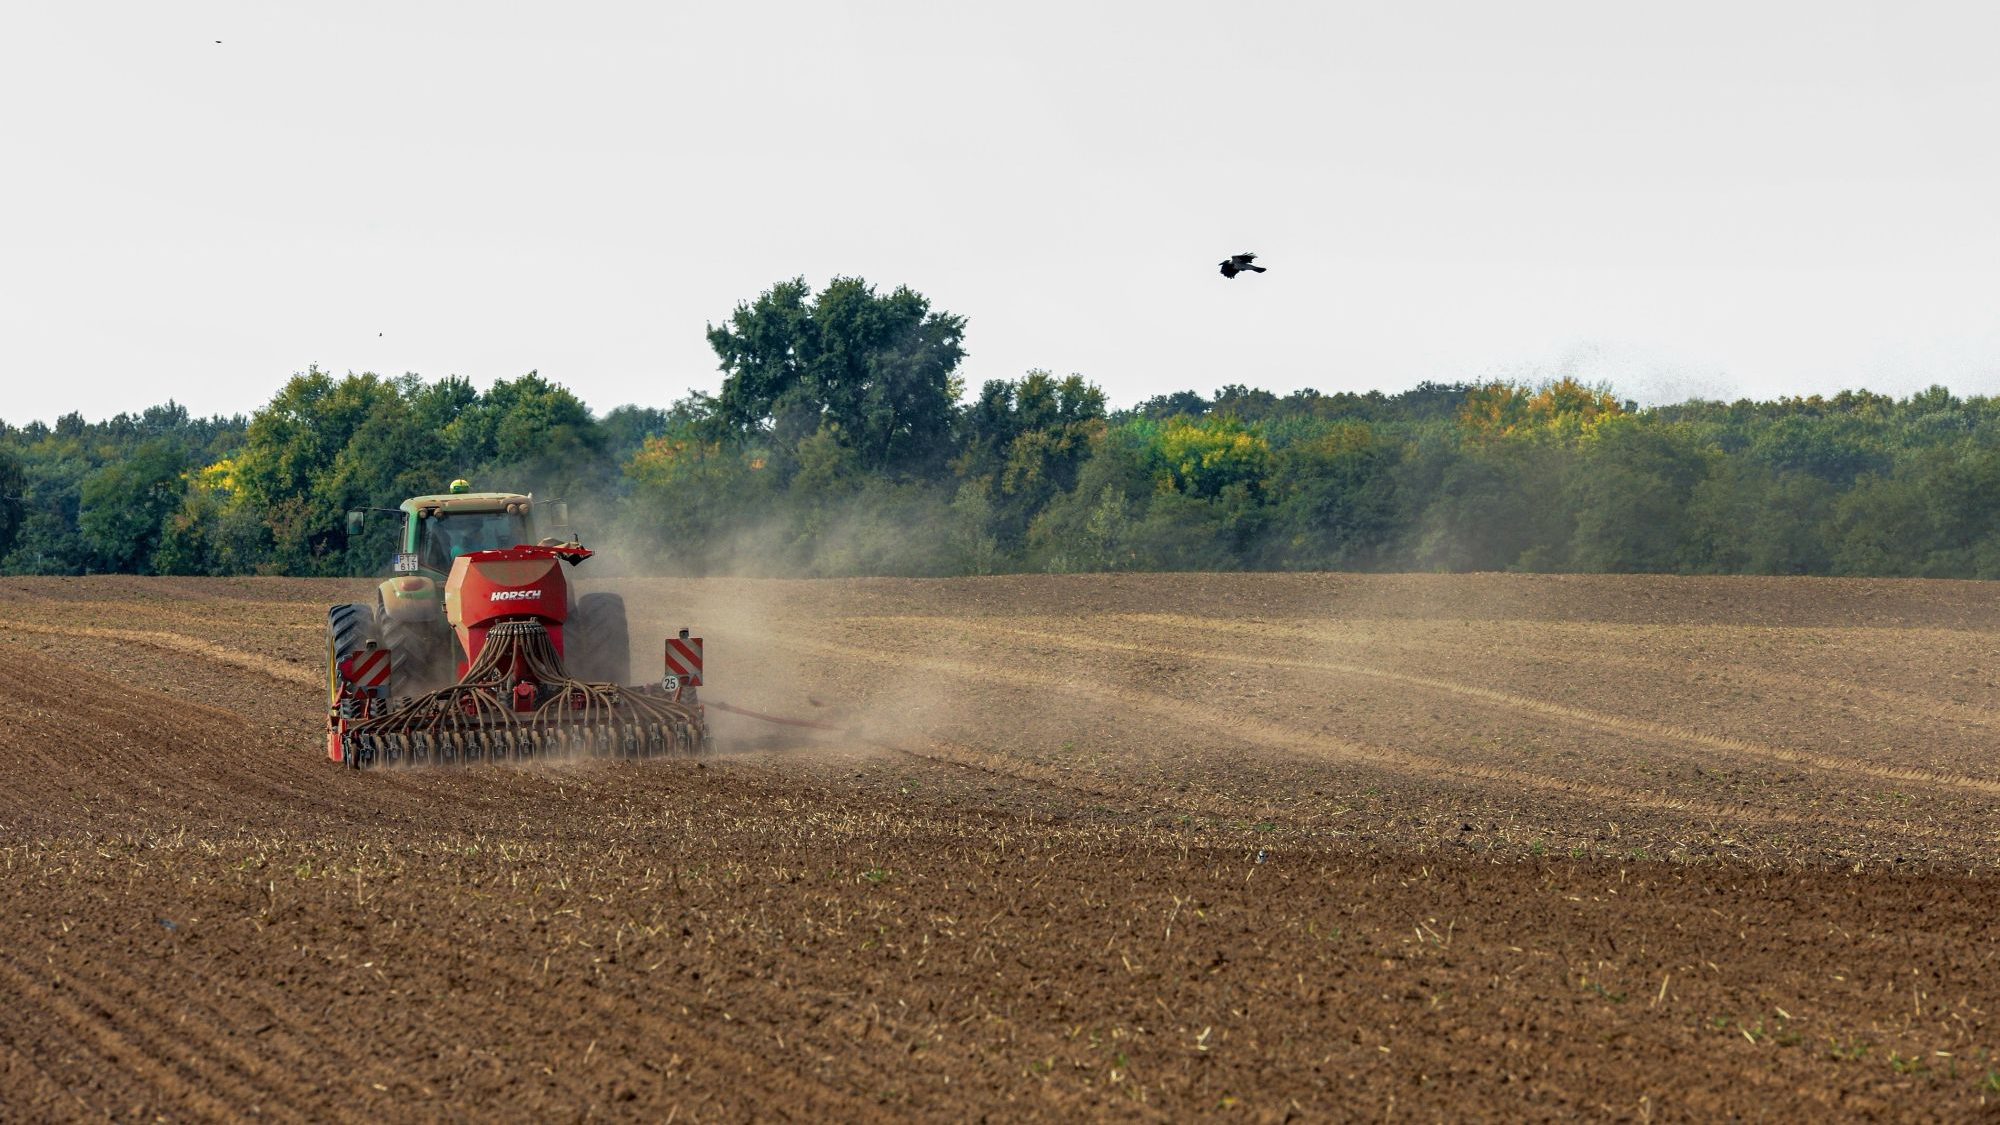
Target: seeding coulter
[{"x": 476, "y": 650}]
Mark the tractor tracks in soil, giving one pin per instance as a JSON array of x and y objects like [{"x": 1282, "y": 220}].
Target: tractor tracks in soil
[
  {"x": 302, "y": 618},
  {"x": 1136, "y": 799},
  {"x": 1690, "y": 655},
  {"x": 130, "y": 731},
  {"x": 1907, "y": 704},
  {"x": 179, "y": 643},
  {"x": 1618, "y": 724},
  {"x": 1285, "y": 739}
]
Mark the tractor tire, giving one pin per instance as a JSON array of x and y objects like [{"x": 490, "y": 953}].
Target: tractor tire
[
  {"x": 420, "y": 656},
  {"x": 348, "y": 628},
  {"x": 597, "y": 647}
]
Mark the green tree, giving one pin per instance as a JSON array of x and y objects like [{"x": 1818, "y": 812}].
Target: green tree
[
  {"x": 1204, "y": 457},
  {"x": 1962, "y": 490},
  {"x": 879, "y": 367},
  {"x": 1335, "y": 498},
  {"x": 1629, "y": 492},
  {"x": 53, "y": 467},
  {"x": 530, "y": 420},
  {"x": 1026, "y": 440},
  {"x": 124, "y": 505},
  {"x": 290, "y": 470},
  {"x": 1181, "y": 531},
  {"x": 1090, "y": 526},
  {"x": 970, "y": 546},
  {"x": 626, "y": 429},
  {"x": 1745, "y": 518},
  {"x": 12, "y": 481},
  {"x": 1835, "y": 447},
  {"x": 1495, "y": 507},
  {"x": 1882, "y": 527},
  {"x": 692, "y": 502}
]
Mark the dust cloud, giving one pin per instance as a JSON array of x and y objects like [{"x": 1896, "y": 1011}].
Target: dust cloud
[{"x": 769, "y": 644}]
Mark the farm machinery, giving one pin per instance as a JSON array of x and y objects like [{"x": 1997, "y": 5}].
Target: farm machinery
[{"x": 476, "y": 649}]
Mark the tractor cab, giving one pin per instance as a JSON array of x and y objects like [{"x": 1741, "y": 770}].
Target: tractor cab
[{"x": 438, "y": 529}]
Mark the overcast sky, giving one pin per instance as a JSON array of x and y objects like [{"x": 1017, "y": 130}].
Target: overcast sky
[{"x": 1688, "y": 198}]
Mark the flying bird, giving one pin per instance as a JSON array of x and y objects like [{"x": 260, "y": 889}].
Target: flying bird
[{"x": 1237, "y": 263}]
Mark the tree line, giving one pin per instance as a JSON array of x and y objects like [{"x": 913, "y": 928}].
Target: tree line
[{"x": 842, "y": 442}]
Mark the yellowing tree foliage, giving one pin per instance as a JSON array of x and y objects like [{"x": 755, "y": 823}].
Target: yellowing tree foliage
[
  {"x": 1205, "y": 456},
  {"x": 667, "y": 462},
  {"x": 1560, "y": 412}
]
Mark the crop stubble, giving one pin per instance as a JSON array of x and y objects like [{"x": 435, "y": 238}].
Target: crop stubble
[{"x": 1438, "y": 847}]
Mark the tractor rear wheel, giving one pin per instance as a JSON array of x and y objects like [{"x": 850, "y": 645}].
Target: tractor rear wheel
[
  {"x": 348, "y": 629},
  {"x": 597, "y": 647},
  {"x": 420, "y": 655}
]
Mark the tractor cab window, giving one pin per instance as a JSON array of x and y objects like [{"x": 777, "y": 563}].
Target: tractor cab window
[{"x": 461, "y": 533}]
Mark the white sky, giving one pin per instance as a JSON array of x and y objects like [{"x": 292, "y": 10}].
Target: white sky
[{"x": 1716, "y": 198}]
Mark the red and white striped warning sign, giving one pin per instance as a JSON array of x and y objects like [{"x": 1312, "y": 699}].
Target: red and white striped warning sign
[
  {"x": 684, "y": 659},
  {"x": 367, "y": 669}
]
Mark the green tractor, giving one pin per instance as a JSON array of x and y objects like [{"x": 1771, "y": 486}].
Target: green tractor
[{"x": 408, "y": 617}]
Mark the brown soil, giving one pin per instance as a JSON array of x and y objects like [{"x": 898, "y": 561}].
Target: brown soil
[{"x": 1136, "y": 846}]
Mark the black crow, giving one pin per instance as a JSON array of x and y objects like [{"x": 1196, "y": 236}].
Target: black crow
[{"x": 1237, "y": 263}]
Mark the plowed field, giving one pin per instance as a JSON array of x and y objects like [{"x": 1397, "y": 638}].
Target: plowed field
[{"x": 1137, "y": 846}]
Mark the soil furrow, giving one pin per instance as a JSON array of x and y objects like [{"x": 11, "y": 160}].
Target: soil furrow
[
  {"x": 1136, "y": 799},
  {"x": 94, "y": 1023},
  {"x": 1644, "y": 728},
  {"x": 1316, "y": 847},
  {"x": 178, "y": 643},
  {"x": 1294, "y": 740},
  {"x": 1583, "y": 650},
  {"x": 34, "y": 1089},
  {"x": 180, "y": 1028},
  {"x": 721, "y": 1045}
]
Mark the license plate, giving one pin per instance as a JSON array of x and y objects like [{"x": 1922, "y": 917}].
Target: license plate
[{"x": 406, "y": 564}]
